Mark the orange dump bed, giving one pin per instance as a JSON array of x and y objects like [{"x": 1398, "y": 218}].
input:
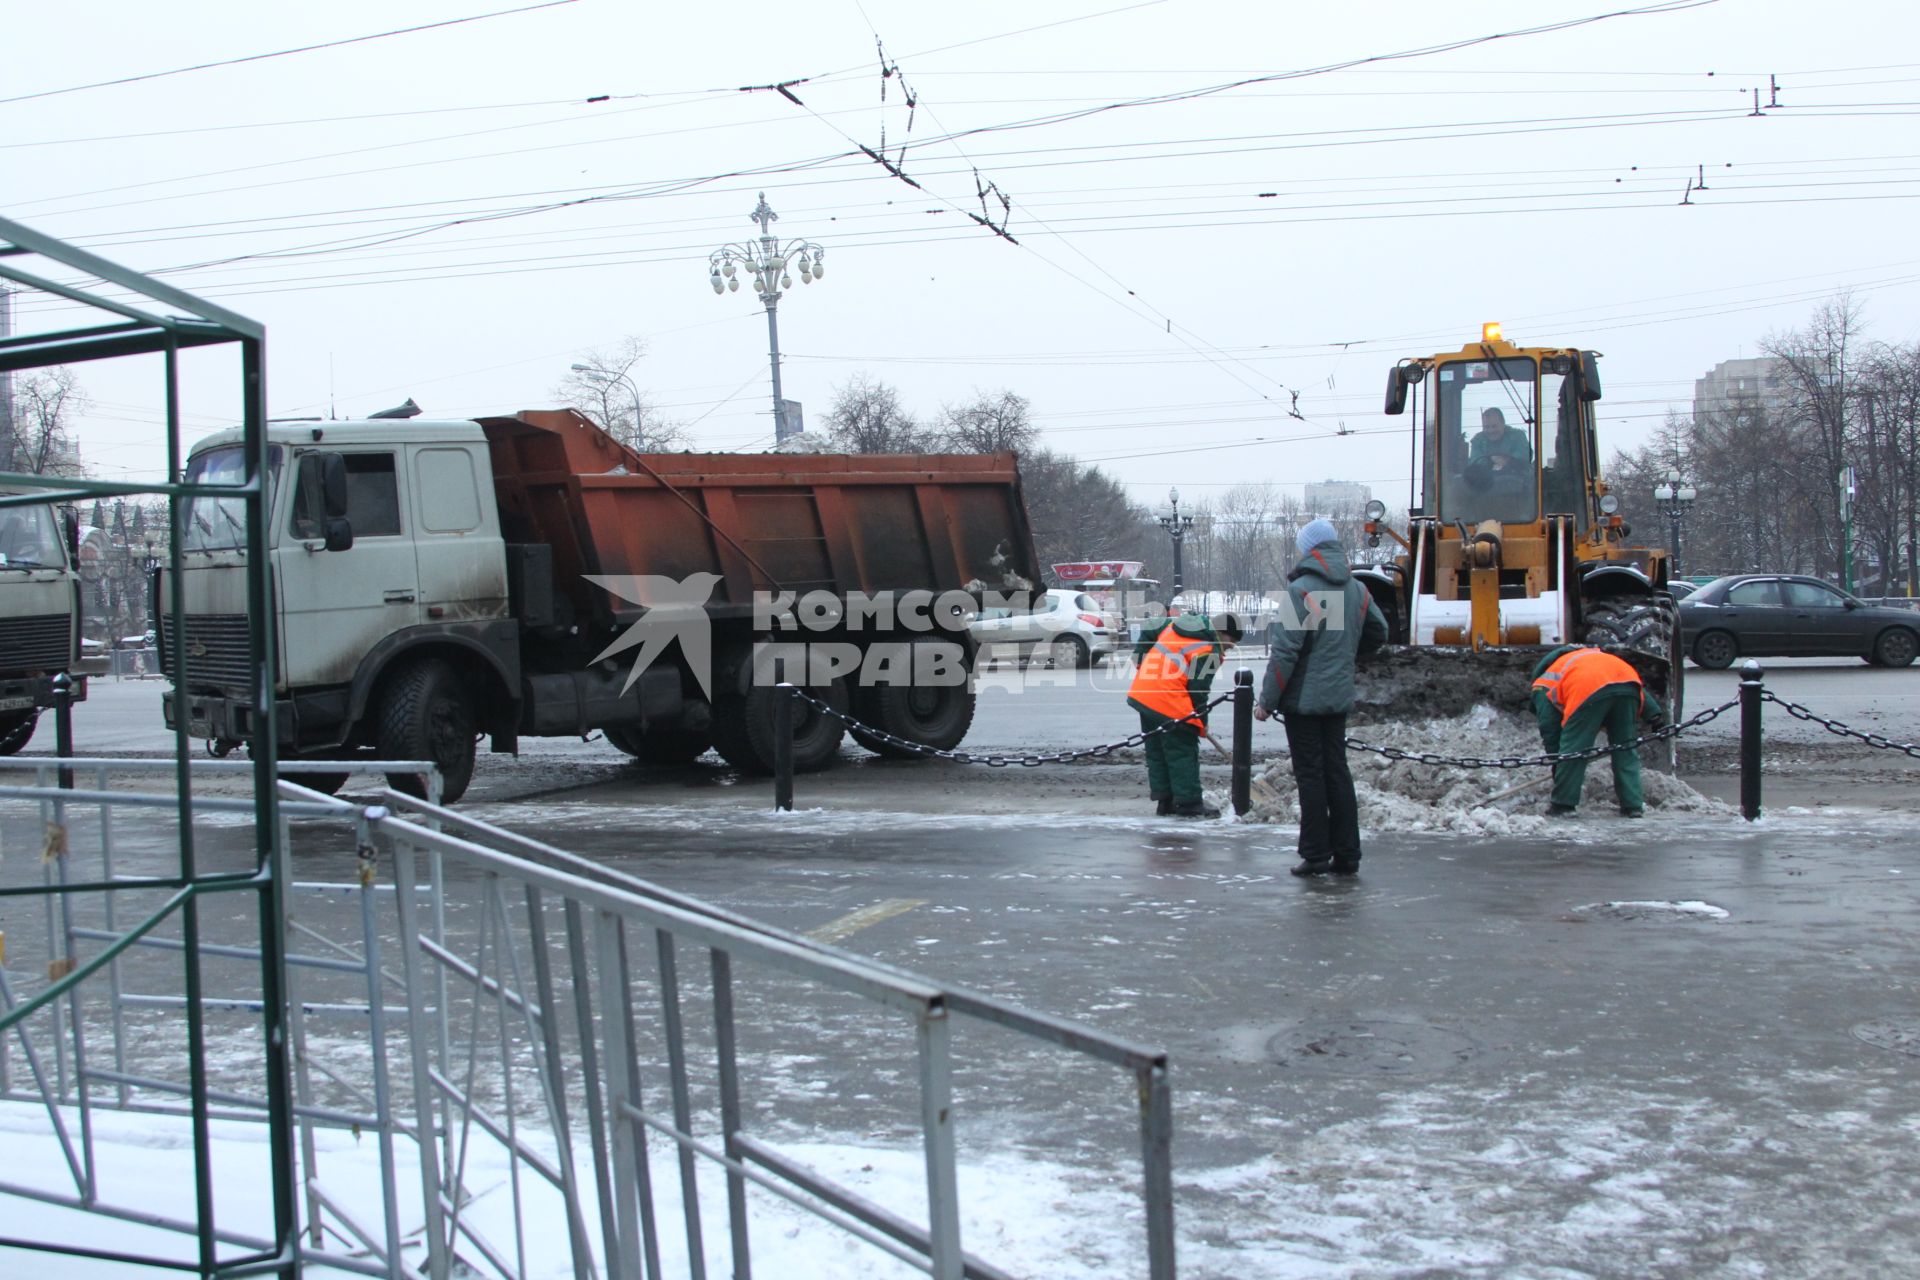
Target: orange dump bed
[{"x": 761, "y": 521}]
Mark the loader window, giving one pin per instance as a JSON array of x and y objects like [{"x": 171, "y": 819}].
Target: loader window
[
  {"x": 1563, "y": 478},
  {"x": 1487, "y": 440}
]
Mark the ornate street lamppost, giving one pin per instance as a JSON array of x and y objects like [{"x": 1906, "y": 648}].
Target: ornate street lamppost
[
  {"x": 1177, "y": 527},
  {"x": 765, "y": 262},
  {"x": 1675, "y": 496}
]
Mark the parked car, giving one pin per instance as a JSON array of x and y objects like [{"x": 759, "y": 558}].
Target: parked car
[
  {"x": 1778, "y": 615},
  {"x": 1066, "y": 628},
  {"x": 1681, "y": 588}
]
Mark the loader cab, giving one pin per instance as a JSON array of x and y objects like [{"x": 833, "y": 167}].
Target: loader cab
[{"x": 1507, "y": 432}]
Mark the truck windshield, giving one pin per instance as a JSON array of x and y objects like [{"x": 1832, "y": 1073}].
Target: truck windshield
[
  {"x": 220, "y": 523},
  {"x": 30, "y": 539},
  {"x": 1485, "y": 440}
]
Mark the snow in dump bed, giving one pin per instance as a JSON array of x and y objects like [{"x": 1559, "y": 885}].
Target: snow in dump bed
[{"x": 1405, "y": 795}]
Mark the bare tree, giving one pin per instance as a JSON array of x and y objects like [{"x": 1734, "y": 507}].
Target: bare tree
[
  {"x": 867, "y": 417},
  {"x": 41, "y": 439},
  {"x": 989, "y": 424},
  {"x": 1820, "y": 382},
  {"x": 602, "y": 386}
]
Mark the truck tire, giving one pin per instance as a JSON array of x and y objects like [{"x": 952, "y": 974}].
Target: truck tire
[
  {"x": 425, "y": 715},
  {"x": 666, "y": 748},
  {"x": 16, "y": 730},
  {"x": 816, "y": 734},
  {"x": 935, "y": 716}
]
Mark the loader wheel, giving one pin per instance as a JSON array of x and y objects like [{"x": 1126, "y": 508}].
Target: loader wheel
[
  {"x": 16, "y": 730},
  {"x": 1639, "y": 623},
  {"x": 667, "y": 748},
  {"x": 425, "y": 715}
]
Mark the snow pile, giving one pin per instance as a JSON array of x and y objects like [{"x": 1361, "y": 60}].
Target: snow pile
[{"x": 1405, "y": 795}]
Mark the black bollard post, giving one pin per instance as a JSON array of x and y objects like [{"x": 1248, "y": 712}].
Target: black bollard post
[
  {"x": 1750, "y": 686},
  {"x": 783, "y": 709},
  {"x": 63, "y": 725},
  {"x": 1242, "y": 741}
]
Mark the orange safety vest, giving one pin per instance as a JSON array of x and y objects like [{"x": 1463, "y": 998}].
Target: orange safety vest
[
  {"x": 1161, "y": 682},
  {"x": 1578, "y": 675}
]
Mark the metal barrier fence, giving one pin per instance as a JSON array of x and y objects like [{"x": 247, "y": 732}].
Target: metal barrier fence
[{"x": 485, "y": 1008}]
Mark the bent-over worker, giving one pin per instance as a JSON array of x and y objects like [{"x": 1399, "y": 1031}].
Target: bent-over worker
[
  {"x": 1577, "y": 691},
  {"x": 1170, "y": 690}
]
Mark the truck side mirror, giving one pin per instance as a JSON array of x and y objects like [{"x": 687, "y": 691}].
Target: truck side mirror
[{"x": 339, "y": 533}]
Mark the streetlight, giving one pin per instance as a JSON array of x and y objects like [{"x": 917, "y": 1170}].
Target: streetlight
[
  {"x": 601, "y": 376},
  {"x": 1675, "y": 496},
  {"x": 1177, "y": 526},
  {"x": 765, "y": 261}
]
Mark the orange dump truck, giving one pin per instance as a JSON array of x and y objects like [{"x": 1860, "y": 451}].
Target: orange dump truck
[{"x": 439, "y": 581}]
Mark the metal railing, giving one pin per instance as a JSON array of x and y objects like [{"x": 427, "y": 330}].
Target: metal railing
[{"x": 476, "y": 1000}]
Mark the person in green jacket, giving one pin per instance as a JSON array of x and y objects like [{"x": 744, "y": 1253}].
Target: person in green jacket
[
  {"x": 1577, "y": 691},
  {"x": 1171, "y": 687},
  {"x": 1331, "y": 621}
]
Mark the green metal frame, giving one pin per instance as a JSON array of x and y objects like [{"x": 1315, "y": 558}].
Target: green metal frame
[{"x": 155, "y": 318}]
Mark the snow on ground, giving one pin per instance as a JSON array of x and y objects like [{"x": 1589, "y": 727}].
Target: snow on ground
[{"x": 1406, "y": 795}]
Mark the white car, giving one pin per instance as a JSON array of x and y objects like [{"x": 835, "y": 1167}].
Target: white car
[{"x": 1066, "y": 628}]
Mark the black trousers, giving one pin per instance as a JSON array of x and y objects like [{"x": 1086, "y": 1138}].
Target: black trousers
[{"x": 1329, "y": 814}]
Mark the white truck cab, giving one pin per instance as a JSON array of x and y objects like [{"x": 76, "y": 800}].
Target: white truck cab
[
  {"x": 385, "y": 546},
  {"x": 39, "y": 619}
]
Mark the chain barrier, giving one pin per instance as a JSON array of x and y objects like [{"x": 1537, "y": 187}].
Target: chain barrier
[
  {"x": 1525, "y": 762},
  {"x": 1799, "y": 712},
  {"x": 991, "y": 761}
]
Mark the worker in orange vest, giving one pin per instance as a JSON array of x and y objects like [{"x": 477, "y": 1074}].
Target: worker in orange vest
[
  {"x": 1577, "y": 691},
  {"x": 1170, "y": 690}
]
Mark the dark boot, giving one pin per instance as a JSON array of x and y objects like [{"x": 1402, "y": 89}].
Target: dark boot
[
  {"x": 1163, "y": 806},
  {"x": 1346, "y": 866},
  {"x": 1195, "y": 809},
  {"x": 1319, "y": 868}
]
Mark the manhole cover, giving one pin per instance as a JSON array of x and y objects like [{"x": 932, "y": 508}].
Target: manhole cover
[
  {"x": 1902, "y": 1035},
  {"x": 1651, "y": 911},
  {"x": 1384, "y": 1048}
]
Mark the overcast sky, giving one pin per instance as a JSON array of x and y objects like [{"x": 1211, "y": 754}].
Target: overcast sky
[{"x": 1212, "y": 206}]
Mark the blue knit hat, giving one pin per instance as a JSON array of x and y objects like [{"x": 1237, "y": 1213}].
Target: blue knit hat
[{"x": 1315, "y": 532}]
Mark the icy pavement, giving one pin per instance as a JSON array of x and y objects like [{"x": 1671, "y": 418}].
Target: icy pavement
[{"x": 1674, "y": 1047}]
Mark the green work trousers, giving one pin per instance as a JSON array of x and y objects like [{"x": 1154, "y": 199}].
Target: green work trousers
[
  {"x": 1173, "y": 759},
  {"x": 1616, "y": 709}
]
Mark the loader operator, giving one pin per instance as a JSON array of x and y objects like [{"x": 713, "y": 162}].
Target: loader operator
[
  {"x": 1577, "y": 691},
  {"x": 1170, "y": 691},
  {"x": 1499, "y": 459}
]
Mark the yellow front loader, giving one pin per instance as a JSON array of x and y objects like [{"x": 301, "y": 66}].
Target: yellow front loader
[{"x": 1515, "y": 545}]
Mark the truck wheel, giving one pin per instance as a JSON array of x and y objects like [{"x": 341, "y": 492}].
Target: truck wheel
[
  {"x": 666, "y": 747},
  {"x": 16, "y": 730},
  {"x": 424, "y": 715},
  {"x": 816, "y": 734},
  {"x": 936, "y": 716},
  {"x": 327, "y": 784}
]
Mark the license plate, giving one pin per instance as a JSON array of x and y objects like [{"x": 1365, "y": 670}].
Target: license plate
[{"x": 16, "y": 704}]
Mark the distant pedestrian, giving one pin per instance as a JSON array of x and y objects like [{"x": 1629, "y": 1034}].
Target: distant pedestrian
[
  {"x": 1577, "y": 691},
  {"x": 1170, "y": 690},
  {"x": 1310, "y": 686}
]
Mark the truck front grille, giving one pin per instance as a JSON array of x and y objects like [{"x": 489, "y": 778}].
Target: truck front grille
[
  {"x": 44, "y": 643},
  {"x": 216, "y": 651}
]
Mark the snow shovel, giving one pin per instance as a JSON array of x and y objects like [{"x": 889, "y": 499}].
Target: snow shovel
[{"x": 1261, "y": 789}]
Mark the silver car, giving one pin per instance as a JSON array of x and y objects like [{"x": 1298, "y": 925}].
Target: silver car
[{"x": 1065, "y": 628}]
